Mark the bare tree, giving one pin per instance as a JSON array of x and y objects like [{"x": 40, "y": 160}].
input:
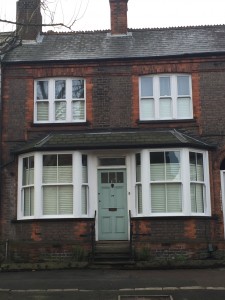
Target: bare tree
[{"x": 9, "y": 40}]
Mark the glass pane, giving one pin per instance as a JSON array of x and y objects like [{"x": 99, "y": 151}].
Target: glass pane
[
  {"x": 146, "y": 87},
  {"x": 157, "y": 168},
  {"x": 164, "y": 86},
  {"x": 165, "y": 108},
  {"x": 65, "y": 198},
  {"x": 112, "y": 177},
  {"x": 183, "y": 85},
  {"x": 78, "y": 110},
  {"x": 139, "y": 198},
  {"x": 112, "y": 161},
  {"x": 200, "y": 171},
  {"x": 28, "y": 201},
  {"x": 197, "y": 198},
  {"x": 174, "y": 198},
  {"x": 105, "y": 177},
  {"x": 84, "y": 200},
  {"x": 49, "y": 169},
  {"x": 42, "y": 111},
  {"x": 196, "y": 166},
  {"x": 28, "y": 171},
  {"x": 50, "y": 200},
  {"x": 65, "y": 168},
  {"x": 42, "y": 90},
  {"x": 84, "y": 169},
  {"x": 184, "y": 108},
  {"x": 120, "y": 177},
  {"x": 138, "y": 167},
  {"x": 158, "y": 198},
  {"x": 78, "y": 89},
  {"x": 60, "y": 89},
  {"x": 60, "y": 110},
  {"x": 147, "y": 109}
]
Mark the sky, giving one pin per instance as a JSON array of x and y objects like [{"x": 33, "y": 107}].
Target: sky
[{"x": 95, "y": 14}]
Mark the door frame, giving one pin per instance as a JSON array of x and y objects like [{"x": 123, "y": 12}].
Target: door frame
[
  {"x": 222, "y": 179},
  {"x": 113, "y": 168}
]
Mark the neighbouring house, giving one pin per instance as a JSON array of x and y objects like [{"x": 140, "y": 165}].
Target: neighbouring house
[{"x": 114, "y": 135}]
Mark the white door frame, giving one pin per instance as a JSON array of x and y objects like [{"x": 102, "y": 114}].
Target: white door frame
[{"x": 222, "y": 176}]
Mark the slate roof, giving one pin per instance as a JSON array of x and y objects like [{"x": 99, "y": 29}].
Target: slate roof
[
  {"x": 113, "y": 140},
  {"x": 139, "y": 43}
]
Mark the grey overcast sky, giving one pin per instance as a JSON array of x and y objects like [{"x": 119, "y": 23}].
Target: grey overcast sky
[{"x": 95, "y": 14}]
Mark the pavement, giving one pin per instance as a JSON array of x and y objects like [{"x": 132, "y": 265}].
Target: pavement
[{"x": 107, "y": 284}]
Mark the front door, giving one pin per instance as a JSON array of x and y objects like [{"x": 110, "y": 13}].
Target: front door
[{"x": 112, "y": 205}]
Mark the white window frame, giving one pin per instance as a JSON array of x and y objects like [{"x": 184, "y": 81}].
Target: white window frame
[
  {"x": 51, "y": 101},
  {"x": 185, "y": 183},
  {"x": 38, "y": 186},
  {"x": 156, "y": 98}
]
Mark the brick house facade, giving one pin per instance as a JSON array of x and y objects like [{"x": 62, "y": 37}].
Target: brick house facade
[{"x": 121, "y": 131}]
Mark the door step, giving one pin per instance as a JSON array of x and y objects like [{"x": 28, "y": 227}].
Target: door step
[{"x": 112, "y": 254}]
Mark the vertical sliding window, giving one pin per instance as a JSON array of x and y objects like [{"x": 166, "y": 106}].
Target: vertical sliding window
[
  {"x": 164, "y": 97},
  {"x": 60, "y": 100},
  {"x": 165, "y": 176},
  {"x": 138, "y": 187},
  {"x": 28, "y": 186},
  {"x": 57, "y": 185},
  {"x": 197, "y": 185}
]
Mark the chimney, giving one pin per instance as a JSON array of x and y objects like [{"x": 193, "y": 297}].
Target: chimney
[
  {"x": 28, "y": 12},
  {"x": 118, "y": 10}
]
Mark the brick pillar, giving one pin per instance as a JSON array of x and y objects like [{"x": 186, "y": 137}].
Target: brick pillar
[
  {"x": 118, "y": 10},
  {"x": 28, "y": 12}
]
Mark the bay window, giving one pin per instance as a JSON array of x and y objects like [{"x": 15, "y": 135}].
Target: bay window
[
  {"x": 175, "y": 182},
  {"x": 53, "y": 185},
  {"x": 60, "y": 100},
  {"x": 165, "y": 97}
]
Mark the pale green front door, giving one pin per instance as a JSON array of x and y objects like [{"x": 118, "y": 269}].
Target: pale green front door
[{"x": 112, "y": 205}]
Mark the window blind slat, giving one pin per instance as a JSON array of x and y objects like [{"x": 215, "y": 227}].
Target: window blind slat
[{"x": 65, "y": 195}]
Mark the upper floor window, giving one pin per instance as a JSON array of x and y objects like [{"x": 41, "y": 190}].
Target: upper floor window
[
  {"x": 60, "y": 100},
  {"x": 165, "y": 97}
]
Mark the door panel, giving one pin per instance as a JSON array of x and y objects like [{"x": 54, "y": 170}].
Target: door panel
[{"x": 112, "y": 197}]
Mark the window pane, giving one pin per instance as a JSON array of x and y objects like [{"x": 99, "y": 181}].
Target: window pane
[
  {"x": 49, "y": 168},
  {"x": 78, "y": 89},
  {"x": 119, "y": 177},
  {"x": 60, "y": 110},
  {"x": 147, "y": 109},
  {"x": 42, "y": 111},
  {"x": 28, "y": 171},
  {"x": 42, "y": 90},
  {"x": 84, "y": 200},
  {"x": 158, "y": 198},
  {"x": 183, "y": 85},
  {"x": 50, "y": 200},
  {"x": 78, "y": 110},
  {"x": 28, "y": 201},
  {"x": 112, "y": 161},
  {"x": 164, "y": 86},
  {"x": 174, "y": 198},
  {"x": 157, "y": 168},
  {"x": 65, "y": 200},
  {"x": 112, "y": 177},
  {"x": 60, "y": 89},
  {"x": 197, "y": 198},
  {"x": 183, "y": 108},
  {"x": 172, "y": 165},
  {"x": 84, "y": 169},
  {"x": 105, "y": 177},
  {"x": 196, "y": 166},
  {"x": 139, "y": 198},
  {"x": 138, "y": 167},
  {"x": 146, "y": 87},
  {"x": 165, "y": 108}
]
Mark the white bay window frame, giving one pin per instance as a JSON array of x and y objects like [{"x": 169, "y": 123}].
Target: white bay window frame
[
  {"x": 151, "y": 102},
  {"x": 38, "y": 186},
  {"x": 73, "y": 108}
]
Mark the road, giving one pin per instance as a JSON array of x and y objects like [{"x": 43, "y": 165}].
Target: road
[{"x": 107, "y": 284}]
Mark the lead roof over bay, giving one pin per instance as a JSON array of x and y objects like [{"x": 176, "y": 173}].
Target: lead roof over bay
[{"x": 138, "y": 43}]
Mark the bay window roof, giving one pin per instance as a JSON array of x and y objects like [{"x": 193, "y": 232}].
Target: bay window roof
[{"x": 113, "y": 139}]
